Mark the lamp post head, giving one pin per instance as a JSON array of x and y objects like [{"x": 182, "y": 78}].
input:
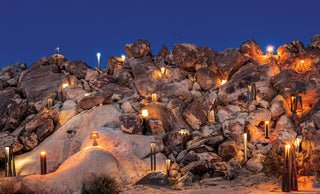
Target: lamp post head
[
  {"x": 98, "y": 54},
  {"x": 94, "y": 135},
  {"x": 144, "y": 113},
  {"x": 266, "y": 122},
  {"x": 43, "y": 153},
  {"x": 270, "y": 49}
]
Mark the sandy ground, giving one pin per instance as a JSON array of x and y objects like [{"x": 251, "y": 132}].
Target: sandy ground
[{"x": 253, "y": 183}]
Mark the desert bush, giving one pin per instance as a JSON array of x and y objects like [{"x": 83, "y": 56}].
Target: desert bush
[
  {"x": 102, "y": 185},
  {"x": 273, "y": 162}
]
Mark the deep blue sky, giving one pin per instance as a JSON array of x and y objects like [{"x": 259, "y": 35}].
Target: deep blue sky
[{"x": 32, "y": 29}]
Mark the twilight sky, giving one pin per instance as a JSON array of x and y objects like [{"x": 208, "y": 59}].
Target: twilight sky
[{"x": 33, "y": 29}]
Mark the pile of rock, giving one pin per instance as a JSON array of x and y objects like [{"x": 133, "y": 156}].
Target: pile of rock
[{"x": 187, "y": 90}]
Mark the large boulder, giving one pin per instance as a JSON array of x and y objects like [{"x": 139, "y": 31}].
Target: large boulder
[
  {"x": 233, "y": 128},
  {"x": 77, "y": 68},
  {"x": 251, "y": 47},
  {"x": 34, "y": 83},
  {"x": 162, "y": 113},
  {"x": 184, "y": 56},
  {"x": 29, "y": 141},
  {"x": 315, "y": 41},
  {"x": 310, "y": 132},
  {"x": 14, "y": 111},
  {"x": 207, "y": 79},
  {"x": 228, "y": 150},
  {"x": 138, "y": 49},
  {"x": 94, "y": 100},
  {"x": 56, "y": 59},
  {"x": 229, "y": 61},
  {"x": 155, "y": 179},
  {"x": 131, "y": 123},
  {"x": 45, "y": 129},
  {"x": 195, "y": 116}
]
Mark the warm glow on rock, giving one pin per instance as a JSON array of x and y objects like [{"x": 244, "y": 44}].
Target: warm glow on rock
[
  {"x": 302, "y": 66},
  {"x": 65, "y": 85},
  {"x": 144, "y": 113}
]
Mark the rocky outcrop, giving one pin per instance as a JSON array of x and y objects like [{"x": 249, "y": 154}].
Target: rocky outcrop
[
  {"x": 77, "y": 68},
  {"x": 138, "y": 49}
]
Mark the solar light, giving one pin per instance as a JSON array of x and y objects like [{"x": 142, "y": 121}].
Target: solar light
[
  {"x": 245, "y": 139},
  {"x": 57, "y": 50},
  {"x": 144, "y": 113},
  {"x": 10, "y": 169},
  {"x": 50, "y": 103},
  {"x": 65, "y": 85},
  {"x": 251, "y": 94},
  {"x": 43, "y": 162},
  {"x": 153, "y": 155},
  {"x": 168, "y": 163},
  {"x": 211, "y": 116},
  {"x": 123, "y": 57},
  {"x": 223, "y": 81},
  {"x": 94, "y": 136},
  {"x": 98, "y": 57},
  {"x": 270, "y": 50},
  {"x": 163, "y": 71},
  {"x": 154, "y": 97},
  {"x": 267, "y": 127}
]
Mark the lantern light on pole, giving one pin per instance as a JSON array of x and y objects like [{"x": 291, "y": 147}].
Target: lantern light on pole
[
  {"x": 245, "y": 139},
  {"x": 211, "y": 116},
  {"x": 43, "y": 162},
  {"x": 154, "y": 97},
  {"x": 267, "y": 128},
  {"x": 153, "y": 155},
  {"x": 57, "y": 50},
  {"x": 168, "y": 163},
  {"x": 94, "y": 135},
  {"x": 98, "y": 57},
  {"x": 10, "y": 169},
  {"x": 163, "y": 71},
  {"x": 50, "y": 103},
  {"x": 144, "y": 113},
  {"x": 270, "y": 50},
  {"x": 223, "y": 81},
  {"x": 123, "y": 58}
]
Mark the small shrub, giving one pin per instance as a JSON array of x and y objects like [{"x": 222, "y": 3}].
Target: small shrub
[
  {"x": 273, "y": 162},
  {"x": 102, "y": 185}
]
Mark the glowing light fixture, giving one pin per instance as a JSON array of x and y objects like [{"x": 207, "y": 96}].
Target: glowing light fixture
[
  {"x": 211, "y": 116},
  {"x": 86, "y": 94},
  {"x": 184, "y": 132},
  {"x": 168, "y": 163},
  {"x": 98, "y": 57},
  {"x": 10, "y": 169},
  {"x": 153, "y": 155},
  {"x": 144, "y": 113},
  {"x": 123, "y": 57},
  {"x": 50, "y": 103},
  {"x": 163, "y": 71},
  {"x": 251, "y": 94},
  {"x": 43, "y": 162},
  {"x": 223, "y": 81},
  {"x": 270, "y": 50},
  {"x": 94, "y": 135},
  {"x": 57, "y": 50},
  {"x": 245, "y": 139},
  {"x": 267, "y": 127},
  {"x": 65, "y": 85},
  {"x": 297, "y": 144},
  {"x": 154, "y": 97}
]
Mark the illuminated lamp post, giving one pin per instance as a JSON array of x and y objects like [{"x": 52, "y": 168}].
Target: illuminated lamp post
[
  {"x": 57, "y": 50},
  {"x": 144, "y": 113},
  {"x": 251, "y": 94},
  {"x": 289, "y": 178},
  {"x": 270, "y": 50},
  {"x": 223, "y": 81},
  {"x": 245, "y": 139},
  {"x": 10, "y": 169},
  {"x": 163, "y": 71},
  {"x": 211, "y": 116},
  {"x": 98, "y": 57},
  {"x": 168, "y": 163},
  {"x": 154, "y": 97},
  {"x": 94, "y": 136},
  {"x": 267, "y": 128},
  {"x": 153, "y": 155},
  {"x": 50, "y": 103},
  {"x": 43, "y": 162},
  {"x": 123, "y": 58},
  {"x": 293, "y": 104},
  {"x": 298, "y": 106},
  {"x": 297, "y": 144}
]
